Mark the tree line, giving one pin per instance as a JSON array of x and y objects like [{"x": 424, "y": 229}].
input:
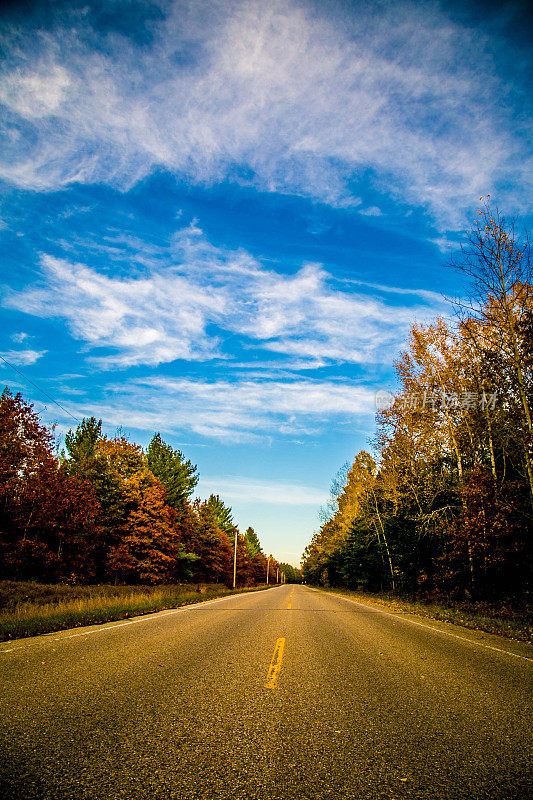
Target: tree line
[
  {"x": 444, "y": 505},
  {"x": 107, "y": 510}
]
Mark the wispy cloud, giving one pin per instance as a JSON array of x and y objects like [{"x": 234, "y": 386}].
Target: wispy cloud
[
  {"x": 143, "y": 320},
  {"x": 167, "y": 312},
  {"x": 230, "y": 411},
  {"x": 36, "y": 93},
  {"x": 371, "y": 211},
  {"x": 241, "y": 489},
  {"x": 22, "y": 358},
  {"x": 19, "y": 337},
  {"x": 423, "y": 294},
  {"x": 274, "y": 94}
]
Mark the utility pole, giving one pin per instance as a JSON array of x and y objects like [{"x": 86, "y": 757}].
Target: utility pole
[
  {"x": 277, "y": 575},
  {"x": 235, "y": 563},
  {"x": 268, "y": 566}
]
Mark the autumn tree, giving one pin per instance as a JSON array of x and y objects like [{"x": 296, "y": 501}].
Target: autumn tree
[
  {"x": 212, "y": 546},
  {"x": 244, "y": 573},
  {"x": 100, "y": 513},
  {"x": 257, "y": 568},
  {"x": 148, "y": 542},
  {"x": 48, "y": 518},
  {"x": 359, "y": 505},
  {"x": 496, "y": 261},
  {"x": 445, "y": 508}
]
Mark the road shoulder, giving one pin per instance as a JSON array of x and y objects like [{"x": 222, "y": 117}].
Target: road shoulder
[{"x": 475, "y": 636}]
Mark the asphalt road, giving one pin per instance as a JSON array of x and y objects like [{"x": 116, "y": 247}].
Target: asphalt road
[{"x": 287, "y": 693}]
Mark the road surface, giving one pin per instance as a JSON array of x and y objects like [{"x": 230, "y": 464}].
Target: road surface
[{"x": 286, "y": 693}]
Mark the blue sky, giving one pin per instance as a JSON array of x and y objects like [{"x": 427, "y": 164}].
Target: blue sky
[{"x": 218, "y": 219}]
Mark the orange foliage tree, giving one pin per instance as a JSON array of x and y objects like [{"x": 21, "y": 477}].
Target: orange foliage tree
[{"x": 149, "y": 542}]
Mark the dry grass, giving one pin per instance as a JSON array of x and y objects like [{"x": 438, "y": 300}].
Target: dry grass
[{"x": 29, "y": 609}]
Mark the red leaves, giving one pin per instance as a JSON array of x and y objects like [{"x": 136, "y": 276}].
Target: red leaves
[
  {"x": 44, "y": 512},
  {"x": 149, "y": 542},
  {"x": 101, "y": 513}
]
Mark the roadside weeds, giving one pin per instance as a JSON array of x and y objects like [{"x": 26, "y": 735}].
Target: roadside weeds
[{"x": 29, "y": 609}]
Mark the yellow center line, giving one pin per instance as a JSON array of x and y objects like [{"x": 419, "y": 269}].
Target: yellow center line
[
  {"x": 275, "y": 664},
  {"x": 289, "y": 604}
]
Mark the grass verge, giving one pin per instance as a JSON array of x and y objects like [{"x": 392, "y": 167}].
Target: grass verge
[
  {"x": 502, "y": 621},
  {"x": 30, "y": 609}
]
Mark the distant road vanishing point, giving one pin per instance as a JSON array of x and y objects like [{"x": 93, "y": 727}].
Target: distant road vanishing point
[{"x": 285, "y": 693}]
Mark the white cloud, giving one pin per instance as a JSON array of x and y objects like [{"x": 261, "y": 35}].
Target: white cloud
[
  {"x": 35, "y": 93},
  {"x": 371, "y": 211},
  {"x": 270, "y": 397},
  {"x": 143, "y": 320},
  {"x": 18, "y": 337},
  {"x": 241, "y": 489},
  {"x": 423, "y": 294},
  {"x": 230, "y": 411},
  {"x": 166, "y": 312},
  {"x": 22, "y": 358},
  {"x": 278, "y": 95}
]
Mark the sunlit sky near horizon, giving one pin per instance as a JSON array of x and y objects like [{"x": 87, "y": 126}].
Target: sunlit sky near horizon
[{"x": 219, "y": 219}]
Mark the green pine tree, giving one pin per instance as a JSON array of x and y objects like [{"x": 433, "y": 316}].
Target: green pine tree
[
  {"x": 81, "y": 443},
  {"x": 223, "y": 516},
  {"x": 178, "y": 476},
  {"x": 252, "y": 542}
]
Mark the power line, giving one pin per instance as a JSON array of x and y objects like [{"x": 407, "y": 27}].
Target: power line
[{"x": 38, "y": 388}]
